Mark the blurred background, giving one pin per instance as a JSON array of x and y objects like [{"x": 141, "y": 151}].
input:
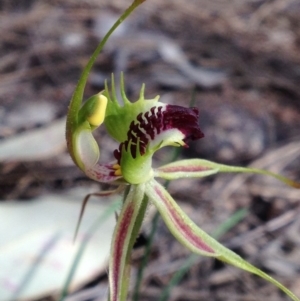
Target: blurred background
[{"x": 237, "y": 61}]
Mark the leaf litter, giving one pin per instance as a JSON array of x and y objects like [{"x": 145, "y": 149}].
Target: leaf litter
[{"x": 254, "y": 45}]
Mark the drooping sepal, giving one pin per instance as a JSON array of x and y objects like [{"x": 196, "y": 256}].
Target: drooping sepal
[
  {"x": 122, "y": 242},
  {"x": 195, "y": 239},
  {"x": 179, "y": 223},
  {"x": 196, "y": 168}
]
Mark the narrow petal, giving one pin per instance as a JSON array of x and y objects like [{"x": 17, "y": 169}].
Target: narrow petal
[
  {"x": 122, "y": 242},
  {"x": 196, "y": 240},
  {"x": 86, "y": 199},
  {"x": 195, "y": 168},
  {"x": 184, "y": 169}
]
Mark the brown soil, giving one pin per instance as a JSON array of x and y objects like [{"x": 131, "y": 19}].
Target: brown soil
[{"x": 242, "y": 61}]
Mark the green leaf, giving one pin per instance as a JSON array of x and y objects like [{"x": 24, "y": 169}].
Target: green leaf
[{"x": 195, "y": 239}]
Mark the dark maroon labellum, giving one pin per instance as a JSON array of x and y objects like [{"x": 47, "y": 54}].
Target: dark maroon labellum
[
  {"x": 186, "y": 120},
  {"x": 157, "y": 120}
]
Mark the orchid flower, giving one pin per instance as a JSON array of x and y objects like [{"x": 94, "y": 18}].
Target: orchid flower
[{"x": 141, "y": 128}]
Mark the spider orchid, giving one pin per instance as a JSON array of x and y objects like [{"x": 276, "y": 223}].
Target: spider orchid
[{"x": 141, "y": 128}]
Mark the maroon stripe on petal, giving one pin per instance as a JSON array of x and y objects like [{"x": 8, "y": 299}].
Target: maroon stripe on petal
[
  {"x": 185, "y": 229},
  {"x": 183, "y": 168},
  {"x": 119, "y": 248}
]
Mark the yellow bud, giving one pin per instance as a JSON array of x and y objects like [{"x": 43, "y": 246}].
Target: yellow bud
[{"x": 98, "y": 114}]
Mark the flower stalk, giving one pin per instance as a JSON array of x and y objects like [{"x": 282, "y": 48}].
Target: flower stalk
[{"x": 141, "y": 128}]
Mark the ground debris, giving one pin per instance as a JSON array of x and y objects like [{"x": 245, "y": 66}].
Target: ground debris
[{"x": 241, "y": 58}]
